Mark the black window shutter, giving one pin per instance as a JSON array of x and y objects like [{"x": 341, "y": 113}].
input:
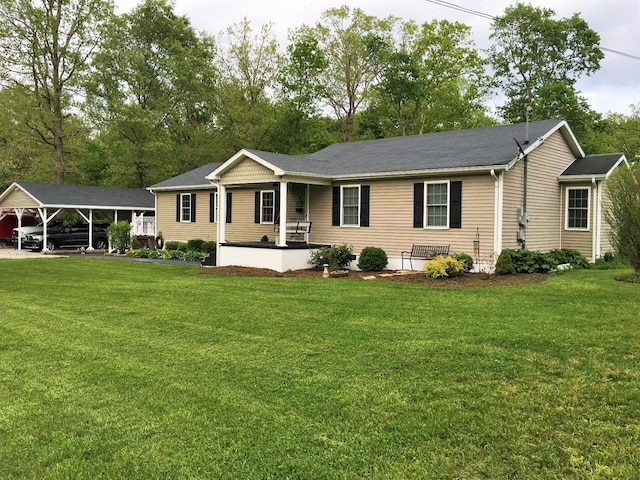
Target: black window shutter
[
  {"x": 418, "y": 205},
  {"x": 335, "y": 210},
  {"x": 455, "y": 205},
  {"x": 276, "y": 206},
  {"x": 212, "y": 207},
  {"x": 178, "y": 208},
  {"x": 193, "y": 207},
  {"x": 228, "y": 207},
  {"x": 256, "y": 210},
  {"x": 364, "y": 205}
]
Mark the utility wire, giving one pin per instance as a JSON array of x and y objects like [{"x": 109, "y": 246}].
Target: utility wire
[{"x": 444, "y": 3}]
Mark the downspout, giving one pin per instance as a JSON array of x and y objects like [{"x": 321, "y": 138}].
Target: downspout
[
  {"x": 594, "y": 222},
  {"x": 497, "y": 213}
]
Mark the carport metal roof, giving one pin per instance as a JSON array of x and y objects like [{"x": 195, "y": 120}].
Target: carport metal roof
[{"x": 44, "y": 197}]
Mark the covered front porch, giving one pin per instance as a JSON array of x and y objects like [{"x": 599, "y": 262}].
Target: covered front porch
[
  {"x": 293, "y": 256},
  {"x": 264, "y": 201}
]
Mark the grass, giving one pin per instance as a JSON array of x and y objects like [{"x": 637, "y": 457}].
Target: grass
[{"x": 126, "y": 370}]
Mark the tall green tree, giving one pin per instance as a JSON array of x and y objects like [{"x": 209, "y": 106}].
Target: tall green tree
[
  {"x": 349, "y": 40},
  {"x": 45, "y": 49},
  {"x": 249, "y": 63},
  {"x": 621, "y": 133},
  {"x": 432, "y": 78},
  {"x": 300, "y": 126},
  {"x": 537, "y": 60},
  {"x": 151, "y": 95}
]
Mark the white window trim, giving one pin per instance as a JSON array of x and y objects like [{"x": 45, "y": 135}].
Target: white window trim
[
  {"x": 349, "y": 225},
  {"x": 566, "y": 210},
  {"x": 182, "y": 208},
  {"x": 215, "y": 207},
  {"x": 426, "y": 205},
  {"x": 262, "y": 192}
]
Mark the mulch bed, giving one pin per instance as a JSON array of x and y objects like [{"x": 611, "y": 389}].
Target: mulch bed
[{"x": 469, "y": 280}]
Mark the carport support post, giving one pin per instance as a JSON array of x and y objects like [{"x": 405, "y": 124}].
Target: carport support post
[
  {"x": 44, "y": 229},
  {"x": 90, "y": 249}
]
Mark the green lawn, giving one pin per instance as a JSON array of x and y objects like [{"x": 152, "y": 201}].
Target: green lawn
[{"x": 143, "y": 371}]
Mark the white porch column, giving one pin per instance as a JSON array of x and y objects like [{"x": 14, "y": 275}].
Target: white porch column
[
  {"x": 222, "y": 214},
  {"x": 282, "y": 241}
]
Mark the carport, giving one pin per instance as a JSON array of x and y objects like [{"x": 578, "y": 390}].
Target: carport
[{"x": 48, "y": 199}]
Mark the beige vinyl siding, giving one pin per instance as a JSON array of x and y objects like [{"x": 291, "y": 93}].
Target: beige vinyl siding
[
  {"x": 243, "y": 227},
  {"x": 605, "y": 243},
  {"x": 581, "y": 240},
  {"x": 247, "y": 171},
  {"x": 183, "y": 231},
  {"x": 391, "y": 218},
  {"x": 18, "y": 199},
  {"x": 544, "y": 194}
]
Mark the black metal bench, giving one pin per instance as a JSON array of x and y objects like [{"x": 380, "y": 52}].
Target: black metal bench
[{"x": 425, "y": 252}]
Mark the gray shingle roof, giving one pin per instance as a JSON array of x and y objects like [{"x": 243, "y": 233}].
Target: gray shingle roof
[
  {"x": 596, "y": 165},
  {"x": 490, "y": 146},
  {"x": 477, "y": 147},
  {"x": 86, "y": 196},
  {"x": 192, "y": 179},
  {"x": 457, "y": 149}
]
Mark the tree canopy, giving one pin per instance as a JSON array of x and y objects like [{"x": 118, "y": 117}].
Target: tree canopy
[{"x": 88, "y": 96}]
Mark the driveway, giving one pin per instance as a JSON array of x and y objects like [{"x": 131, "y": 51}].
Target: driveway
[{"x": 14, "y": 253}]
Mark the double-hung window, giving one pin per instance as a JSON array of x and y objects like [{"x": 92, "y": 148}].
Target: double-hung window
[
  {"x": 267, "y": 206},
  {"x": 437, "y": 202},
  {"x": 577, "y": 209},
  {"x": 351, "y": 205},
  {"x": 185, "y": 208}
]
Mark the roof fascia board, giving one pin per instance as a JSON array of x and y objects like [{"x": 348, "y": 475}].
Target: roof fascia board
[
  {"x": 238, "y": 157},
  {"x": 210, "y": 186},
  {"x": 566, "y": 133},
  {"x": 11, "y": 188},
  {"x": 422, "y": 173},
  {"x": 100, "y": 207},
  {"x": 622, "y": 159},
  {"x": 580, "y": 178}
]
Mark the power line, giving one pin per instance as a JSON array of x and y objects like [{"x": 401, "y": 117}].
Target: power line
[{"x": 460, "y": 8}]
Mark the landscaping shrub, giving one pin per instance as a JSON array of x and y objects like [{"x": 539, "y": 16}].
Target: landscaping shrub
[
  {"x": 504, "y": 264},
  {"x": 529, "y": 261},
  {"x": 171, "y": 245},
  {"x": 337, "y": 257},
  {"x": 195, "y": 245},
  {"x": 372, "y": 259},
  {"x": 119, "y": 234},
  {"x": 208, "y": 246},
  {"x": 444, "y": 267},
  {"x": 570, "y": 256},
  {"x": 610, "y": 261},
  {"x": 465, "y": 258}
]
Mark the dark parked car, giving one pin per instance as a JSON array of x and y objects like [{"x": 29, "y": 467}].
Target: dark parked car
[{"x": 75, "y": 236}]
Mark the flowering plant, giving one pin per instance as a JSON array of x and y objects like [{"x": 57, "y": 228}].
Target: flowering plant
[{"x": 337, "y": 257}]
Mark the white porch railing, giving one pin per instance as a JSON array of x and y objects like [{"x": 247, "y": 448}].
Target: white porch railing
[{"x": 143, "y": 225}]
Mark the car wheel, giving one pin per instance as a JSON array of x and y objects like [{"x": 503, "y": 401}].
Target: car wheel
[
  {"x": 3, "y": 243},
  {"x": 101, "y": 244},
  {"x": 51, "y": 245}
]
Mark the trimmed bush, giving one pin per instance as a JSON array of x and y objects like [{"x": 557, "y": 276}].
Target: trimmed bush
[
  {"x": 337, "y": 257},
  {"x": 119, "y": 234},
  {"x": 195, "y": 245},
  {"x": 208, "y": 246},
  {"x": 504, "y": 264},
  {"x": 171, "y": 245},
  {"x": 441, "y": 267},
  {"x": 464, "y": 258},
  {"x": 372, "y": 259}
]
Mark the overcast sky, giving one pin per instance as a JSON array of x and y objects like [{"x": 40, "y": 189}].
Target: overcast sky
[{"x": 612, "y": 89}]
